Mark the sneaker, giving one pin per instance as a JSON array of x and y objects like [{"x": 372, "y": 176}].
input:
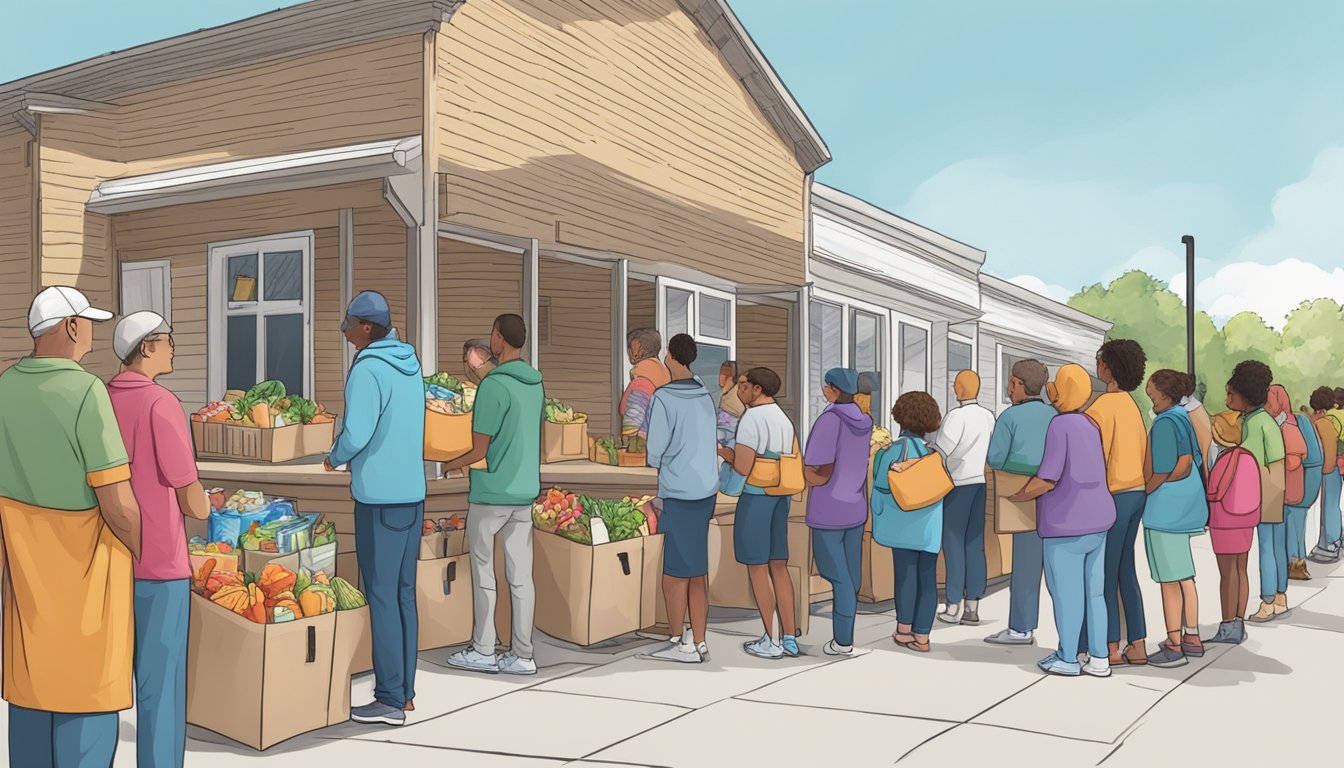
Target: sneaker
[
  {"x": 1098, "y": 667},
  {"x": 1281, "y": 609},
  {"x": 765, "y": 648},
  {"x": 1135, "y": 655},
  {"x": 510, "y": 664},
  {"x": 1239, "y": 627},
  {"x": 1168, "y": 656},
  {"x": 1265, "y": 614},
  {"x": 1192, "y": 646},
  {"x": 1324, "y": 554},
  {"x": 971, "y": 616},
  {"x": 703, "y": 650},
  {"x": 683, "y": 654},
  {"x": 471, "y": 661},
  {"x": 1227, "y": 634},
  {"x": 790, "y": 645},
  {"x": 833, "y": 648},
  {"x": 1053, "y": 665},
  {"x": 1084, "y": 657},
  {"x": 952, "y": 615},
  {"x": 378, "y": 713},
  {"x": 1011, "y": 637}
]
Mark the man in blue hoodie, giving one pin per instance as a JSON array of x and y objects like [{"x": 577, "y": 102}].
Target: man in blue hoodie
[
  {"x": 382, "y": 439},
  {"x": 1015, "y": 450},
  {"x": 682, "y": 429},
  {"x": 506, "y": 432}
]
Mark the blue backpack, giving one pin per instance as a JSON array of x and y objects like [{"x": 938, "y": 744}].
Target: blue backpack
[{"x": 1315, "y": 453}]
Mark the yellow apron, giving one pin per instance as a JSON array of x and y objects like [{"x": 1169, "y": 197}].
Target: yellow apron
[{"x": 69, "y": 630}]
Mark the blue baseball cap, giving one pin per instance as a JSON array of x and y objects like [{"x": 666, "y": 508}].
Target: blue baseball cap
[
  {"x": 844, "y": 379},
  {"x": 371, "y": 306}
]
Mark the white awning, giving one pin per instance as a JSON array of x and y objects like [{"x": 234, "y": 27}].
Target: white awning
[{"x": 277, "y": 173}]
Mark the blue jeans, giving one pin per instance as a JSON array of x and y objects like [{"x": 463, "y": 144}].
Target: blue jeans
[
  {"x": 839, "y": 560},
  {"x": 964, "y": 543},
  {"x": 1296, "y": 520},
  {"x": 1273, "y": 559},
  {"x": 1024, "y": 586},
  {"x": 916, "y": 588},
  {"x": 1330, "y": 514},
  {"x": 387, "y": 545},
  {"x": 162, "y": 611},
  {"x": 1075, "y": 574},
  {"x": 56, "y": 740},
  {"x": 1122, "y": 579}
]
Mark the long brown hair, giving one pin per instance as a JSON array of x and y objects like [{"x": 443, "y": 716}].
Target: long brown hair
[{"x": 1174, "y": 385}]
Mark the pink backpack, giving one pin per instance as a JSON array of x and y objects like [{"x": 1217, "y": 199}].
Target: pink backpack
[{"x": 1234, "y": 490}]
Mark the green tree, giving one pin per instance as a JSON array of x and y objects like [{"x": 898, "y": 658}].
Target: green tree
[{"x": 1309, "y": 353}]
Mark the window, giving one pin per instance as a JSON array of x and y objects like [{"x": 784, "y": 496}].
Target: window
[
  {"x": 826, "y": 349},
  {"x": 703, "y": 313},
  {"x": 260, "y": 313},
  {"x": 914, "y": 358},
  {"x": 147, "y": 286},
  {"x": 959, "y": 358}
]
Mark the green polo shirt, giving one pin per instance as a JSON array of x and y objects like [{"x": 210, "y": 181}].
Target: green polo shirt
[
  {"x": 60, "y": 436},
  {"x": 1261, "y": 435}
]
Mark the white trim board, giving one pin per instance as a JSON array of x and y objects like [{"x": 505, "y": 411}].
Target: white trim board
[{"x": 276, "y": 173}]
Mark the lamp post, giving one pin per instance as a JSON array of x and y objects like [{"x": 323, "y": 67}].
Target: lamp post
[{"x": 1189, "y": 242}]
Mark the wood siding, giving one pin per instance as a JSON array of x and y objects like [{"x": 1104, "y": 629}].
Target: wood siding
[
  {"x": 614, "y": 126},
  {"x": 763, "y": 340},
  {"x": 641, "y": 305},
  {"x": 16, "y": 242},
  {"x": 476, "y": 285},
  {"x": 182, "y": 235},
  {"x": 576, "y": 340}
]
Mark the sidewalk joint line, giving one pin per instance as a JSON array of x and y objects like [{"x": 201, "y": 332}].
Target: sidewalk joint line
[{"x": 854, "y": 711}]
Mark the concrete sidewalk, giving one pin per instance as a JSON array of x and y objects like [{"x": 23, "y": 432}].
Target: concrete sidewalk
[{"x": 966, "y": 703}]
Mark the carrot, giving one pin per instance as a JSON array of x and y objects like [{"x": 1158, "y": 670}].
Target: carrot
[{"x": 260, "y": 415}]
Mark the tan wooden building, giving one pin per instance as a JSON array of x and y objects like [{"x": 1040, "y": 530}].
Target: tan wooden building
[{"x": 594, "y": 165}]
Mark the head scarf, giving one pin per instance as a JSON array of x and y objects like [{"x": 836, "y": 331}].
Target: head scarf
[
  {"x": 1071, "y": 388},
  {"x": 1279, "y": 405},
  {"x": 1227, "y": 429},
  {"x": 966, "y": 385}
]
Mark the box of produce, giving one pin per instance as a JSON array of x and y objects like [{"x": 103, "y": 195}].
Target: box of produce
[
  {"x": 234, "y": 518},
  {"x": 445, "y": 537},
  {"x": 321, "y": 555},
  {"x": 448, "y": 402},
  {"x": 265, "y": 424},
  {"x": 352, "y": 655},
  {"x": 564, "y": 433},
  {"x": 223, "y": 553},
  {"x": 619, "y": 452},
  {"x": 262, "y": 650},
  {"x": 443, "y": 599}
]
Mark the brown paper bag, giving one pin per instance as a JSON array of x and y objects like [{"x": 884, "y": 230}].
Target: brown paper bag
[
  {"x": 1271, "y": 493},
  {"x": 1009, "y": 516}
]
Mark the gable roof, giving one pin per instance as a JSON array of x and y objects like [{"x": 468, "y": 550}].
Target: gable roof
[{"x": 321, "y": 25}]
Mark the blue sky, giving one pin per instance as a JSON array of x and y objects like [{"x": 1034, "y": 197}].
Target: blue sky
[{"x": 1072, "y": 141}]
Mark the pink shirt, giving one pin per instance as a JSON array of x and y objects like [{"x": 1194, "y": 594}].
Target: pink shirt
[{"x": 158, "y": 440}]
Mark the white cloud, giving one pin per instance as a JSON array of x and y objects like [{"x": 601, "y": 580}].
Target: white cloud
[
  {"x": 1269, "y": 290},
  {"x": 1038, "y": 286}
]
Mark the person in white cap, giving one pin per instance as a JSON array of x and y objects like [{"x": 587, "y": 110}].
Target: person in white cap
[
  {"x": 71, "y": 528},
  {"x": 163, "y": 477}
]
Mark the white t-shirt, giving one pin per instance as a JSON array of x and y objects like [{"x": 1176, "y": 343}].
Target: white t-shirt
[
  {"x": 765, "y": 429},
  {"x": 964, "y": 442}
]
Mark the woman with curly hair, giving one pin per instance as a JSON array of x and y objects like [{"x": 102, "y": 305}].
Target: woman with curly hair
[
  {"x": 1176, "y": 511},
  {"x": 1074, "y": 511},
  {"x": 1329, "y": 424},
  {"x": 914, "y": 535},
  {"x": 1124, "y": 440}
]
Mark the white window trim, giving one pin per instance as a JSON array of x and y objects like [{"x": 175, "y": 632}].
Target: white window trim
[
  {"x": 218, "y": 310},
  {"x": 975, "y": 361},
  {"x": 898, "y": 354},
  {"x": 881, "y": 414},
  {"x": 661, "y": 284},
  {"x": 167, "y": 267}
]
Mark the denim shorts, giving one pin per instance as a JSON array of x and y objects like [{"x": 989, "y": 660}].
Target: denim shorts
[
  {"x": 685, "y": 529},
  {"x": 761, "y": 529}
]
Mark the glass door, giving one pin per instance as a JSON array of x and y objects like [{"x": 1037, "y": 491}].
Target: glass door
[{"x": 706, "y": 315}]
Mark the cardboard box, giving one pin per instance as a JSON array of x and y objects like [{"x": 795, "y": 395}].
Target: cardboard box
[
  {"x": 442, "y": 544},
  {"x": 321, "y": 558},
  {"x": 447, "y": 436},
  {"x": 729, "y": 585},
  {"x": 233, "y": 442},
  {"x": 878, "y": 582},
  {"x": 443, "y": 593},
  {"x": 352, "y": 655},
  {"x": 253, "y": 561},
  {"x": 652, "y": 604},
  {"x": 587, "y": 594},
  {"x": 222, "y": 562},
  {"x": 563, "y": 442},
  {"x": 258, "y": 684},
  {"x": 1009, "y": 516}
]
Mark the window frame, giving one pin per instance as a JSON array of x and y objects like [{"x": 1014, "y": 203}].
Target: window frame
[
  {"x": 897, "y": 320},
  {"x": 166, "y": 265},
  {"x": 975, "y": 363},
  {"x": 219, "y": 309},
  {"x": 661, "y": 286},
  {"x": 848, "y": 305}
]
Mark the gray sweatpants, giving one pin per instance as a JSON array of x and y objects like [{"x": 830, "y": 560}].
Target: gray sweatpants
[{"x": 513, "y": 525}]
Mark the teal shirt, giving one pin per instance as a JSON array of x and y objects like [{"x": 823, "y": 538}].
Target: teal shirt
[
  {"x": 1177, "y": 506},
  {"x": 920, "y": 530},
  {"x": 1018, "y": 443},
  {"x": 508, "y": 408}
]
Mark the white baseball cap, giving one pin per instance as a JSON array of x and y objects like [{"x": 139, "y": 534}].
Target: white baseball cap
[
  {"x": 135, "y": 328},
  {"x": 58, "y": 302}
]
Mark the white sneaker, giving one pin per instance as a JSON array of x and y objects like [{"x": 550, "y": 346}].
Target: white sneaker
[
  {"x": 683, "y": 654},
  {"x": 1084, "y": 658},
  {"x": 471, "y": 661},
  {"x": 703, "y": 650},
  {"x": 513, "y": 665},
  {"x": 834, "y": 649},
  {"x": 765, "y": 648},
  {"x": 1098, "y": 667},
  {"x": 951, "y": 615}
]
